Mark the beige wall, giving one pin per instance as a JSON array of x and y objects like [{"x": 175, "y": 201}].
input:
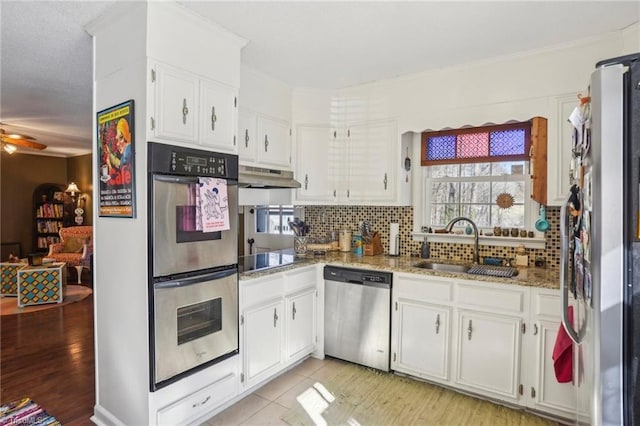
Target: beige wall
[
  {"x": 79, "y": 170},
  {"x": 20, "y": 174}
]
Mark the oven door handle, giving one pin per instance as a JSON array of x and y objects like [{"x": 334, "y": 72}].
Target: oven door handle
[
  {"x": 176, "y": 179},
  {"x": 187, "y": 179},
  {"x": 185, "y": 282}
]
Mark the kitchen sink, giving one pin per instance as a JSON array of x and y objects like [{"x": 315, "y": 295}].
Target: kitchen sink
[{"x": 446, "y": 267}]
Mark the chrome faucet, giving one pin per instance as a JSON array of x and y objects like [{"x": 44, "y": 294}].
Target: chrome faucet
[{"x": 476, "y": 257}]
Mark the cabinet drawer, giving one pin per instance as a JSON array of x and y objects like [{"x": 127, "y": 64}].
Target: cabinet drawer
[
  {"x": 423, "y": 289},
  {"x": 547, "y": 305},
  {"x": 299, "y": 279},
  {"x": 499, "y": 298},
  {"x": 262, "y": 289},
  {"x": 197, "y": 404}
]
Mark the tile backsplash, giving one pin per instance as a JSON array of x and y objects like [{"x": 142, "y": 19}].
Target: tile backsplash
[{"x": 325, "y": 218}]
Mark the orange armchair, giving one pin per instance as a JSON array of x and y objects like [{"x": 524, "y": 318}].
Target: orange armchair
[{"x": 75, "y": 248}]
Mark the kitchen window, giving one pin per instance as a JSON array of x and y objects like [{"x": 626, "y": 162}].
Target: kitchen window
[
  {"x": 471, "y": 190},
  {"x": 466, "y": 170},
  {"x": 274, "y": 219}
]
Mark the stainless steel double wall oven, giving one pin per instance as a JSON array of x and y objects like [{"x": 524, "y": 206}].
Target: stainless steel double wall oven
[{"x": 193, "y": 275}]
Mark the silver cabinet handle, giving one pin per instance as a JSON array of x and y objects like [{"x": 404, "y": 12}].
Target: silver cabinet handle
[
  {"x": 535, "y": 329},
  {"x": 438, "y": 324},
  {"x": 469, "y": 330},
  {"x": 214, "y": 118},
  {"x": 185, "y": 111},
  {"x": 246, "y": 138},
  {"x": 294, "y": 310},
  {"x": 385, "y": 181},
  {"x": 348, "y": 193},
  {"x": 533, "y": 392},
  {"x": 266, "y": 143},
  {"x": 197, "y": 404},
  {"x": 334, "y": 193},
  {"x": 306, "y": 181},
  {"x": 275, "y": 317}
]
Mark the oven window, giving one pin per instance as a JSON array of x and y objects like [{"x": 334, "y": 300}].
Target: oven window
[{"x": 198, "y": 320}]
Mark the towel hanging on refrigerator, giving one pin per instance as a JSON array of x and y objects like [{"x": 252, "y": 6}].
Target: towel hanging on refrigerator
[{"x": 563, "y": 353}]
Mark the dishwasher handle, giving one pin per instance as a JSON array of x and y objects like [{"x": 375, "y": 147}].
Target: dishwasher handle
[{"x": 386, "y": 286}]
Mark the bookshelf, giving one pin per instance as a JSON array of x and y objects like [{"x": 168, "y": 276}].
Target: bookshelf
[{"x": 50, "y": 215}]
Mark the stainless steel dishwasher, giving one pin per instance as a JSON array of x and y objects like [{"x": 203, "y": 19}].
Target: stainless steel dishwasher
[{"x": 357, "y": 324}]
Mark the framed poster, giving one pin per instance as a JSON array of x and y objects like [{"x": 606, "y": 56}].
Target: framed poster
[{"x": 116, "y": 153}]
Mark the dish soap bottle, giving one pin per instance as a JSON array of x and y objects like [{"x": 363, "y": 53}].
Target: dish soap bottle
[{"x": 425, "y": 250}]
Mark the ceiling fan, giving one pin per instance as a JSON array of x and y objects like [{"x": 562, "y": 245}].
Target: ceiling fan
[{"x": 11, "y": 142}]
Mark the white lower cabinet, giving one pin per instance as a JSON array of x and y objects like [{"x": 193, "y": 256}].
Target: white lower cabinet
[
  {"x": 301, "y": 324},
  {"x": 544, "y": 391},
  {"x": 423, "y": 340},
  {"x": 488, "y": 355},
  {"x": 492, "y": 339},
  {"x": 263, "y": 340},
  {"x": 277, "y": 322},
  {"x": 421, "y": 326}
]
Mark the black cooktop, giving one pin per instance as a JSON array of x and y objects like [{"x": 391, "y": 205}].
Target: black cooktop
[{"x": 261, "y": 261}]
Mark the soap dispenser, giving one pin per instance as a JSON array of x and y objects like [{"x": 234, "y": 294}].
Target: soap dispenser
[{"x": 424, "y": 250}]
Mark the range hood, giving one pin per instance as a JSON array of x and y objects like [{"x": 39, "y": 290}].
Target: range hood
[{"x": 258, "y": 177}]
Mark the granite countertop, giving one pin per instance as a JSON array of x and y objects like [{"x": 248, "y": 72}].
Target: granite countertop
[{"x": 527, "y": 276}]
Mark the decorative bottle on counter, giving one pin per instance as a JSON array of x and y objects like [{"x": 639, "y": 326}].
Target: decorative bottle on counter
[{"x": 425, "y": 249}]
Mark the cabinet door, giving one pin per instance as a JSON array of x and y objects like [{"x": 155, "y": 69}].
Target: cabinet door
[
  {"x": 559, "y": 149},
  {"x": 263, "y": 341},
  {"x": 548, "y": 394},
  {"x": 247, "y": 135},
  {"x": 176, "y": 104},
  {"x": 371, "y": 161},
  {"x": 312, "y": 163},
  {"x": 422, "y": 339},
  {"x": 488, "y": 357},
  {"x": 338, "y": 166},
  {"x": 301, "y": 325},
  {"x": 274, "y": 142},
  {"x": 218, "y": 116}
]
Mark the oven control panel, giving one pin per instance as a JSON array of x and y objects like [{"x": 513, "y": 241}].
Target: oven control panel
[
  {"x": 183, "y": 161},
  {"x": 208, "y": 165}
]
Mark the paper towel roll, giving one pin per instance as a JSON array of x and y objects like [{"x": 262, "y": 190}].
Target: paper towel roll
[{"x": 394, "y": 239}]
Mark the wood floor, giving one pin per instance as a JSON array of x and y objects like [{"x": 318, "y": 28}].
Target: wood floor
[{"x": 48, "y": 356}]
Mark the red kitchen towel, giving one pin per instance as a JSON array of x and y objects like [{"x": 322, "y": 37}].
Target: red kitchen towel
[{"x": 563, "y": 353}]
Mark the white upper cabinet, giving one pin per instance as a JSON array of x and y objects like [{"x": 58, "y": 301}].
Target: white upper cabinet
[
  {"x": 373, "y": 147},
  {"x": 265, "y": 121},
  {"x": 218, "y": 116},
  {"x": 356, "y": 164},
  {"x": 247, "y": 132},
  {"x": 312, "y": 163},
  {"x": 176, "y": 104},
  {"x": 264, "y": 141},
  {"x": 559, "y": 149},
  {"x": 274, "y": 142},
  {"x": 192, "y": 109}
]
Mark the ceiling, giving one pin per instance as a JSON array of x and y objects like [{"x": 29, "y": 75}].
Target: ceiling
[{"x": 46, "y": 77}]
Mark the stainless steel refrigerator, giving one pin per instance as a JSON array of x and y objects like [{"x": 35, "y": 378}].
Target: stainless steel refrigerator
[{"x": 600, "y": 246}]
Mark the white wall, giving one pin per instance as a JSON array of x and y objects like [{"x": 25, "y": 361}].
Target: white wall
[{"x": 264, "y": 95}]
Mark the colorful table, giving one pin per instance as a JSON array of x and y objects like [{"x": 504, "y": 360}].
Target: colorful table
[
  {"x": 9, "y": 277},
  {"x": 41, "y": 284}
]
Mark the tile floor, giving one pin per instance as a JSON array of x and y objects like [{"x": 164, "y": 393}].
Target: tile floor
[{"x": 267, "y": 404}]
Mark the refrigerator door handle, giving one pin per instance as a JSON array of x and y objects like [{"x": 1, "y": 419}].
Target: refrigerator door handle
[{"x": 564, "y": 270}]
